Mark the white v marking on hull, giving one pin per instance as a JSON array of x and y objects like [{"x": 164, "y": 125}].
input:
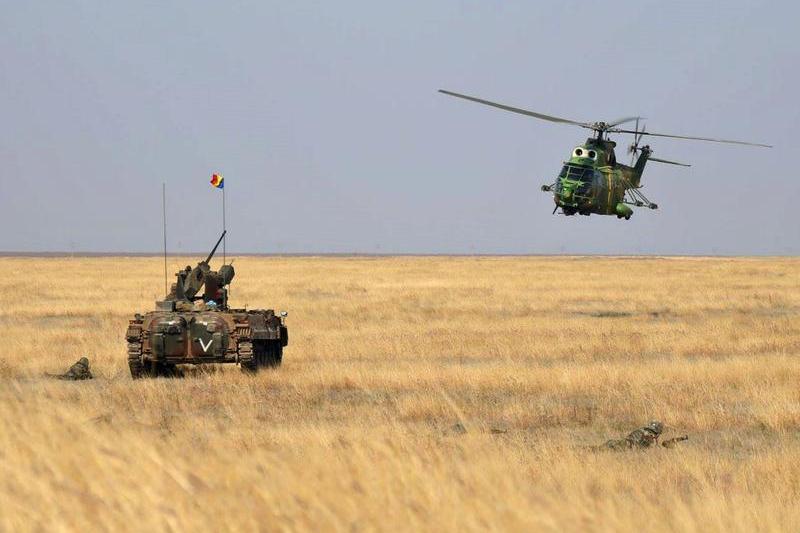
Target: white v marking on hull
[{"x": 205, "y": 346}]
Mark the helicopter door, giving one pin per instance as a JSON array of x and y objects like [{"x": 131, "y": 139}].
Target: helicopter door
[{"x": 603, "y": 191}]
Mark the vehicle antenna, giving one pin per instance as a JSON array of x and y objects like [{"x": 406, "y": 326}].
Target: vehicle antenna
[{"x": 164, "y": 220}]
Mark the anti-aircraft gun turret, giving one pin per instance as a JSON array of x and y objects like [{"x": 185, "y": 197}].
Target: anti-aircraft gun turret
[
  {"x": 194, "y": 327},
  {"x": 191, "y": 280}
]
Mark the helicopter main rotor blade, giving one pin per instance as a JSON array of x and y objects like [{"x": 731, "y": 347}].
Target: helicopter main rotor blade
[
  {"x": 616, "y": 130},
  {"x": 667, "y": 162},
  {"x": 517, "y": 110},
  {"x": 623, "y": 121}
]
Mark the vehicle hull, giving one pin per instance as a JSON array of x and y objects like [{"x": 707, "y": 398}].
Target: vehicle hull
[{"x": 159, "y": 340}]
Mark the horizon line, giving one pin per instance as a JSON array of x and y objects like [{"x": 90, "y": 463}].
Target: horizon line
[{"x": 62, "y": 254}]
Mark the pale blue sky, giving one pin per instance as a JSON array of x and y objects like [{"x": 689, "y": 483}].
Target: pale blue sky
[{"x": 325, "y": 120}]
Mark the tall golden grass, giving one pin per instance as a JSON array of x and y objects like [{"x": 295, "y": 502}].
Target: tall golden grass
[{"x": 416, "y": 394}]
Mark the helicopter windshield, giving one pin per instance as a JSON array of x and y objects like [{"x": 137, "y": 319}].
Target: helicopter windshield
[{"x": 572, "y": 172}]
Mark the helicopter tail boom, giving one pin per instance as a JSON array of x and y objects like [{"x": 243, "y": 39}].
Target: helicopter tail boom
[{"x": 635, "y": 176}]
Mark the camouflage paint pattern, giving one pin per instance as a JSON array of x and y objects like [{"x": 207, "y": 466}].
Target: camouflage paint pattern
[
  {"x": 190, "y": 329},
  {"x": 160, "y": 339},
  {"x": 592, "y": 181}
]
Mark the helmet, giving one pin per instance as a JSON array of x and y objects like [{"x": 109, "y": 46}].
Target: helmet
[{"x": 655, "y": 426}]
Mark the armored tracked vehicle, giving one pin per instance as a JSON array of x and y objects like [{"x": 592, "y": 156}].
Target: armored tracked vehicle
[{"x": 194, "y": 327}]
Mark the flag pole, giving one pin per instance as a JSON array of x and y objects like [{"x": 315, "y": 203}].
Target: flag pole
[{"x": 224, "y": 229}]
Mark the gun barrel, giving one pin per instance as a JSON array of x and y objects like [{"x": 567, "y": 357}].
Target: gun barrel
[
  {"x": 215, "y": 247},
  {"x": 671, "y": 443}
]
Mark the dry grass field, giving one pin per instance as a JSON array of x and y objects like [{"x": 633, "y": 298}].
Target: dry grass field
[{"x": 389, "y": 358}]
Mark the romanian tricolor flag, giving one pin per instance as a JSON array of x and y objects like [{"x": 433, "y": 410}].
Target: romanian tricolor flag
[{"x": 217, "y": 181}]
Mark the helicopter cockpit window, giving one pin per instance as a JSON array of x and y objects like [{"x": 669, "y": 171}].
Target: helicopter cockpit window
[{"x": 572, "y": 172}]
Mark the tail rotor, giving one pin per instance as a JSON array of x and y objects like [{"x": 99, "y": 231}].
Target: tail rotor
[
  {"x": 637, "y": 136},
  {"x": 634, "y": 147}
]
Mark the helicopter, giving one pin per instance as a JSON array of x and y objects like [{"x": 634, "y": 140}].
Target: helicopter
[{"x": 592, "y": 181}]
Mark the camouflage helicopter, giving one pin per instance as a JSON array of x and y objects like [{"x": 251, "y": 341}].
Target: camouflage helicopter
[{"x": 592, "y": 180}]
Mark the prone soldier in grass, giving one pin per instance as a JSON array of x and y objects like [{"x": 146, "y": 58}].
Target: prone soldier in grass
[
  {"x": 77, "y": 372},
  {"x": 641, "y": 438}
]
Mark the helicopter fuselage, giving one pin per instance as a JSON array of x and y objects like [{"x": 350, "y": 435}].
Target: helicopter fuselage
[{"x": 593, "y": 182}]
